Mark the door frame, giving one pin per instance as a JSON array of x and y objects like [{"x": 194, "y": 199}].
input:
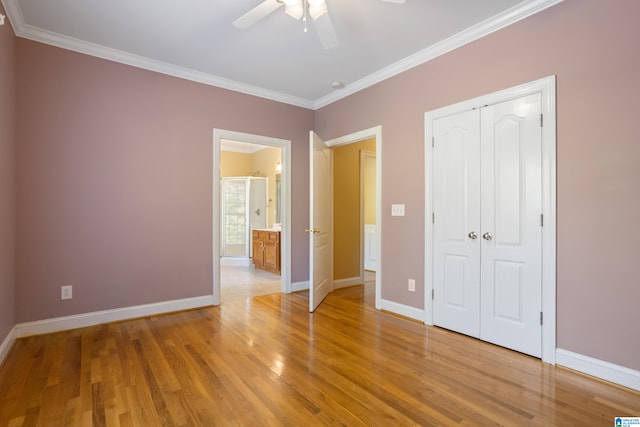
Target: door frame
[
  {"x": 364, "y": 154},
  {"x": 374, "y": 132},
  {"x": 285, "y": 214},
  {"x": 547, "y": 88}
]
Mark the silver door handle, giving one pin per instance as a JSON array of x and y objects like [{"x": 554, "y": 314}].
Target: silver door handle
[
  {"x": 487, "y": 236},
  {"x": 473, "y": 235}
]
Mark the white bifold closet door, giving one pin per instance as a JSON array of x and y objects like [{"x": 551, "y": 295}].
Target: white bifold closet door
[{"x": 487, "y": 223}]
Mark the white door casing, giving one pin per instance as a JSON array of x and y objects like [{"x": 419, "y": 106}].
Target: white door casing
[
  {"x": 545, "y": 90},
  {"x": 376, "y": 133},
  {"x": 320, "y": 222},
  {"x": 285, "y": 161},
  {"x": 368, "y": 234}
]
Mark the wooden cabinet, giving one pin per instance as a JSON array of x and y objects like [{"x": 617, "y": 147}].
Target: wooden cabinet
[{"x": 266, "y": 250}]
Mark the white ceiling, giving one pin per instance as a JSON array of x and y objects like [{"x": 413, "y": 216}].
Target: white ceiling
[{"x": 274, "y": 59}]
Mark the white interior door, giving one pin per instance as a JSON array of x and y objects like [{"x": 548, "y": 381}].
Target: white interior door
[
  {"x": 456, "y": 200},
  {"x": 257, "y": 203},
  {"x": 512, "y": 230},
  {"x": 320, "y": 222},
  {"x": 487, "y": 198}
]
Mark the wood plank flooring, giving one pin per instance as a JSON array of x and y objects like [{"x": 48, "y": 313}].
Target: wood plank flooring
[
  {"x": 246, "y": 282},
  {"x": 266, "y": 361}
]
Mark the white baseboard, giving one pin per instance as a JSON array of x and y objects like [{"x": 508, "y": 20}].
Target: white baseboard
[
  {"x": 300, "y": 286},
  {"x": 97, "y": 317},
  {"x": 350, "y": 281},
  {"x": 8, "y": 343},
  {"x": 403, "y": 310},
  {"x": 599, "y": 368},
  {"x": 235, "y": 261}
]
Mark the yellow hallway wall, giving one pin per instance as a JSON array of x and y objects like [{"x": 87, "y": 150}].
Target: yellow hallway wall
[
  {"x": 346, "y": 208},
  {"x": 235, "y": 164}
]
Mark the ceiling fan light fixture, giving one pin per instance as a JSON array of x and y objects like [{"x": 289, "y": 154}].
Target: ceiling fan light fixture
[
  {"x": 316, "y": 2},
  {"x": 316, "y": 11},
  {"x": 292, "y": 2},
  {"x": 295, "y": 10}
]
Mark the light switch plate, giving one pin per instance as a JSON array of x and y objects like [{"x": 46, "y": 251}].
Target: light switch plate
[{"x": 397, "y": 210}]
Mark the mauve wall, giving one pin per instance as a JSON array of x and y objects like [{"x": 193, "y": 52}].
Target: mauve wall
[
  {"x": 594, "y": 49},
  {"x": 114, "y": 181},
  {"x": 7, "y": 179},
  {"x": 114, "y": 171}
]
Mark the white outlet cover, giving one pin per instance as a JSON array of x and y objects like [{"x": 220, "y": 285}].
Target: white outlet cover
[
  {"x": 397, "y": 210},
  {"x": 66, "y": 292}
]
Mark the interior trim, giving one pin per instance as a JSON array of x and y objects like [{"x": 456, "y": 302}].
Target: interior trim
[
  {"x": 7, "y": 344},
  {"x": 373, "y": 132},
  {"x": 106, "y": 316},
  {"x": 506, "y": 18},
  {"x": 344, "y": 283},
  {"x": 300, "y": 286},
  {"x": 401, "y": 309},
  {"x": 285, "y": 241},
  {"x": 599, "y": 368}
]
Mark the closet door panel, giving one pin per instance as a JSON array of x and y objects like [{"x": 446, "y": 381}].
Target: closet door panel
[
  {"x": 456, "y": 192},
  {"x": 511, "y": 230}
]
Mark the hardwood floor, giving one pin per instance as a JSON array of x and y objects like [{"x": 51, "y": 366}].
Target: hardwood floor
[
  {"x": 267, "y": 361},
  {"x": 246, "y": 282}
]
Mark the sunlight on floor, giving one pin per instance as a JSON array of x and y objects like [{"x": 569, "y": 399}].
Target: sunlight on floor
[
  {"x": 238, "y": 282},
  {"x": 246, "y": 282}
]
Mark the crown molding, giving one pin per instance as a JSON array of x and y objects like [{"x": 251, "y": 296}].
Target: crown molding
[
  {"x": 508, "y": 17},
  {"x": 491, "y": 25},
  {"x": 54, "y": 39}
]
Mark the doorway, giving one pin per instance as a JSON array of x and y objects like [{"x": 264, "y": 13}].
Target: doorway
[
  {"x": 375, "y": 134},
  {"x": 354, "y": 216},
  {"x": 265, "y": 161},
  {"x": 248, "y": 202}
]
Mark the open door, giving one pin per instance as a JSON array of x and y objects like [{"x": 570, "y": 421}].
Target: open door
[{"x": 320, "y": 222}]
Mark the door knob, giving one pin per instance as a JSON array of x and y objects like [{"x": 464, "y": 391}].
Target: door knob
[
  {"x": 312, "y": 230},
  {"x": 487, "y": 236},
  {"x": 473, "y": 235}
]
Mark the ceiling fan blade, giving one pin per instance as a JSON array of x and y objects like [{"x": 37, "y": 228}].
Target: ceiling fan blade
[
  {"x": 256, "y": 14},
  {"x": 325, "y": 31}
]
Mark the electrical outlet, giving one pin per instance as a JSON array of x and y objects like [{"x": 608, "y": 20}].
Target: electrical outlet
[
  {"x": 66, "y": 292},
  {"x": 412, "y": 285}
]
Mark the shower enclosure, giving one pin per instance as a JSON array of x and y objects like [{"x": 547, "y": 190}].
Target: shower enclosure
[{"x": 244, "y": 208}]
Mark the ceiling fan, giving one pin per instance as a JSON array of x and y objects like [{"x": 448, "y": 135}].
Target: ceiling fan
[{"x": 316, "y": 9}]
